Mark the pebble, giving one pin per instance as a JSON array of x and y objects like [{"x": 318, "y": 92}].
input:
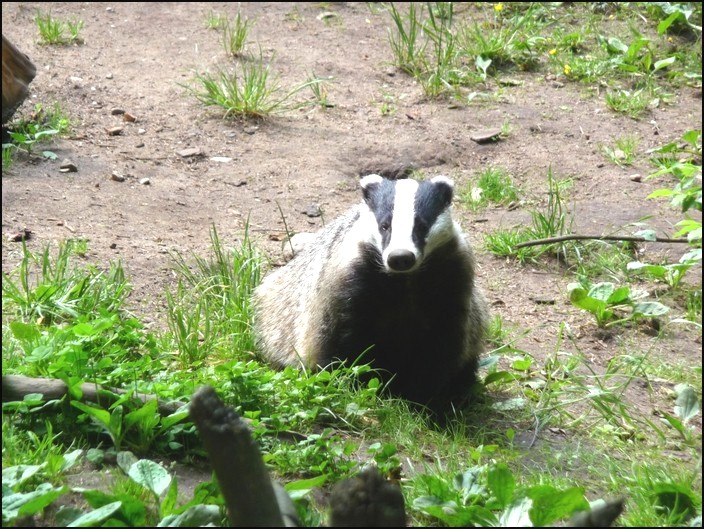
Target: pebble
[
  {"x": 486, "y": 136},
  {"x": 191, "y": 151},
  {"x": 145, "y": 181},
  {"x": 313, "y": 210}
]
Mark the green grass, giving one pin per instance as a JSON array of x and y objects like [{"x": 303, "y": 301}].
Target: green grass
[
  {"x": 249, "y": 91},
  {"x": 235, "y": 33},
  {"x": 494, "y": 186},
  {"x": 26, "y": 134},
  {"x": 449, "y": 48},
  {"x": 623, "y": 153},
  {"x": 56, "y": 32}
]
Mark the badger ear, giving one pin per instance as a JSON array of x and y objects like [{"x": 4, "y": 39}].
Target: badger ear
[
  {"x": 368, "y": 183},
  {"x": 369, "y": 180},
  {"x": 446, "y": 187},
  {"x": 443, "y": 180}
]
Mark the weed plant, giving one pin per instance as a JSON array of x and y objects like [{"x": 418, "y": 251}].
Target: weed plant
[
  {"x": 55, "y": 32},
  {"x": 249, "y": 91}
]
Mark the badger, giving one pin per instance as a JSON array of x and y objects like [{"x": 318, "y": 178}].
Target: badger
[{"x": 393, "y": 279}]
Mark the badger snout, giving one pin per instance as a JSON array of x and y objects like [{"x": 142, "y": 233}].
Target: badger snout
[{"x": 401, "y": 260}]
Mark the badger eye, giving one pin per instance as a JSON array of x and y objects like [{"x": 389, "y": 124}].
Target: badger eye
[{"x": 384, "y": 226}]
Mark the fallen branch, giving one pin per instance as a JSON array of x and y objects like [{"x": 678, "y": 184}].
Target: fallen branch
[
  {"x": 250, "y": 496},
  {"x": 620, "y": 238},
  {"x": 17, "y": 387}
]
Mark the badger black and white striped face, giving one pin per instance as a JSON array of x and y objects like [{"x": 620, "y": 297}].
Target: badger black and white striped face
[{"x": 412, "y": 218}]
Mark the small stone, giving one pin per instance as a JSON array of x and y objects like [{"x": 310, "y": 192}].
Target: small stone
[
  {"x": 114, "y": 131},
  {"x": 191, "y": 151},
  {"x": 220, "y": 159},
  {"x": 250, "y": 130},
  {"x": 139, "y": 145},
  {"x": 636, "y": 178},
  {"x": 542, "y": 300},
  {"x": 141, "y": 131},
  {"x": 486, "y": 136},
  {"x": 145, "y": 181},
  {"x": 117, "y": 177},
  {"x": 128, "y": 117},
  {"x": 113, "y": 246},
  {"x": 313, "y": 210},
  {"x": 67, "y": 166},
  {"x": 108, "y": 75},
  {"x": 117, "y": 112}
]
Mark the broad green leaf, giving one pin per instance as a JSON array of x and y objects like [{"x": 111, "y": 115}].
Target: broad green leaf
[
  {"x": 94, "y": 518},
  {"x": 169, "y": 503},
  {"x": 692, "y": 256},
  {"x": 550, "y": 504},
  {"x": 657, "y": 271},
  {"x": 674, "y": 422},
  {"x": 499, "y": 376},
  {"x": 468, "y": 483},
  {"x": 144, "y": 414},
  {"x": 665, "y": 24},
  {"x": 687, "y": 403},
  {"x": 25, "y": 504},
  {"x": 150, "y": 475},
  {"x": 102, "y": 416},
  {"x": 620, "y": 295},
  {"x": 306, "y": 484},
  {"x": 133, "y": 510},
  {"x": 24, "y": 331},
  {"x": 501, "y": 483},
  {"x": 615, "y": 44},
  {"x": 83, "y": 329},
  {"x": 17, "y": 474},
  {"x": 71, "y": 458},
  {"x": 664, "y": 63},
  {"x": 522, "y": 364},
  {"x": 650, "y": 308},
  {"x": 602, "y": 291},
  {"x": 517, "y": 515},
  {"x": 196, "y": 516},
  {"x": 661, "y": 193}
]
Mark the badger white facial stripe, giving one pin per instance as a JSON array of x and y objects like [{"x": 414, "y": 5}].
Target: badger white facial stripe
[{"x": 403, "y": 219}]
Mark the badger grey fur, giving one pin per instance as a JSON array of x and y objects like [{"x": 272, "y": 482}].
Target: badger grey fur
[{"x": 394, "y": 276}]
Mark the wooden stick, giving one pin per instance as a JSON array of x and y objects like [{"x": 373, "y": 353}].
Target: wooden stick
[{"x": 562, "y": 238}]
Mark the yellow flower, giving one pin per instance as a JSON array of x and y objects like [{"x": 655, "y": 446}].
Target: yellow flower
[
  {"x": 498, "y": 7},
  {"x": 669, "y": 39},
  {"x": 553, "y": 51},
  {"x": 567, "y": 69}
]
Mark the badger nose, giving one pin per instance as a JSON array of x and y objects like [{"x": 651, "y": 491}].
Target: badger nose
[{"x": 401, "y": 260}]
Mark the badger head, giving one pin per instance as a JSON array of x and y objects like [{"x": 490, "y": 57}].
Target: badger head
[{"x": 408, "y": 219}]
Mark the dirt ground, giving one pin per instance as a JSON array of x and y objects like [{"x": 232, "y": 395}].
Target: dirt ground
[{"x": 137, "y": 56}]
